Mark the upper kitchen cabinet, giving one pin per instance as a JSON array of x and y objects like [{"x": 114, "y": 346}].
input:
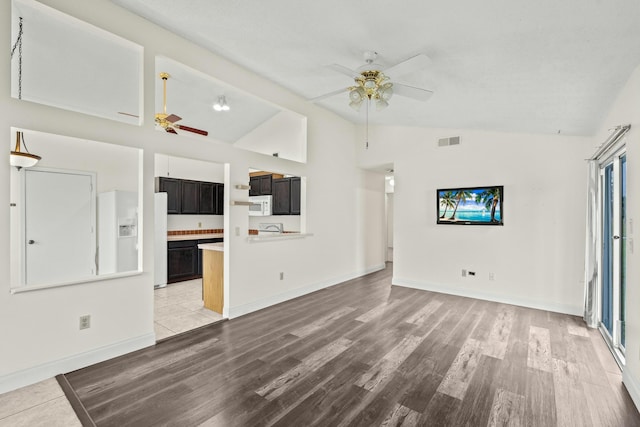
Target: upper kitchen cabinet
[
  {"x": 295, "y": 195},
  {"x": 282, "y": 196},
  {"x": 173, "y": 188},
  {"x": 208, "y": 198},
  {"x": 219, "y": 191},
  {"x": 190, "y": 197},
  {"x": 66, "y": 63},
  {"x": 286, "y": 196},
  {"x": 260, "y": 185}
]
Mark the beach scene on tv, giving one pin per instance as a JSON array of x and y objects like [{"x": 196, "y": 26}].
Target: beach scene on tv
[{"x": 481, "y": 205}]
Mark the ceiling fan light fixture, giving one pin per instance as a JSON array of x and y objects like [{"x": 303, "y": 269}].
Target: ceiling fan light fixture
[
  {"x": 381, "y": 104},
  {"x": 221, "y": 105},
  {"x": 22, "y": 159},
  {"x": 357, "y": 94},
  {"x": 386, "y": 91},
  {"x": 356, "y": 104}
]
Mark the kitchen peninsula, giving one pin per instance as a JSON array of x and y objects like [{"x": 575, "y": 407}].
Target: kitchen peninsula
[{"x": 213, "y": 275}]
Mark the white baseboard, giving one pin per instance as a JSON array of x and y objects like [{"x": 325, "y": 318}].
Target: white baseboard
[
  {"x": 47, "y": 370},
  {"x": 632, "y": 387},
  {"x": 523, "y": 302},
  {"x": 250, "y": 307}
]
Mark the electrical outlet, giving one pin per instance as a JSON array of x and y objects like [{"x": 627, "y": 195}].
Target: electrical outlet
[
  {"x": 492, "y": 276},
  {"x": 199, "y": 225},
  {"x": 281, "y": 275},
  {"x": 237, "y": 231},
  {"x": 464, "y": 273},
  {"x": 85, "y": 321}
]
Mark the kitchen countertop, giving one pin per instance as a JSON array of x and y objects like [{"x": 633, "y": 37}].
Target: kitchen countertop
[
  {"x": 194, "y": 237},
  {"x": 212, "y": 246}
]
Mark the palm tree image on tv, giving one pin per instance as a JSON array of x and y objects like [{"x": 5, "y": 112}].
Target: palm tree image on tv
[
  {"x": 447, "y": 201},
  {"x": 470, "y": 206},
  {"x": 490, "y": 198},
  {"x": 461, "y": 197}
]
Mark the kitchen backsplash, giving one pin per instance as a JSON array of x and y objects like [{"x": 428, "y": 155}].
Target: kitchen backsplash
[{"x": 197, "y": 231}]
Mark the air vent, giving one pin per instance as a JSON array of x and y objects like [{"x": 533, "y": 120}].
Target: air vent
[{"x": 452, "y": 140}]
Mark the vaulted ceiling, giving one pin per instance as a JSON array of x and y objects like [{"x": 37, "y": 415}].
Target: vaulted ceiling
[{"x": 538, "y": 67}]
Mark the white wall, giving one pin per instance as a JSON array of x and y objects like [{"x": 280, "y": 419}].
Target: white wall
[
  {"x": 40, "y": 336},
  {"x": 283, "y": 133},
  {"x": 626, "y": 110},
  {"x": 536, "y": 257}
]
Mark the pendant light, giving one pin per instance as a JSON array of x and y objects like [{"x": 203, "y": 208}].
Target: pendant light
[
  {"x": 22, "y": 159},
  {"x": 221, "y": 105}
]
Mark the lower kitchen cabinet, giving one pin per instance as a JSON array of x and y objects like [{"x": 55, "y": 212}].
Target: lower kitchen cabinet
[{"x": 184, "y": 259}]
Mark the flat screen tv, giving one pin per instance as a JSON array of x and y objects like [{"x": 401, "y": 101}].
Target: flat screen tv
[{"x": 470, "y": 205}]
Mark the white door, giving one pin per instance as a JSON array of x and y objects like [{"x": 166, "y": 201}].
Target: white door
[{"x": 59, "y": 211}]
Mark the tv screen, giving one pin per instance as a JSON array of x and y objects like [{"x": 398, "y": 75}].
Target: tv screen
[{"x": 470, "y": 206}]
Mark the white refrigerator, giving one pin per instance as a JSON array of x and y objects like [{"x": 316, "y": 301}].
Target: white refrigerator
[
  {"x": 117, "y": 231},
  {"x": 160, "y": 239}
]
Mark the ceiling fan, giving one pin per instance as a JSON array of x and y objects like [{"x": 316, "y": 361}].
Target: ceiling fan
[
  {"x": 168, "y": 121},
  {"x": 374, "y": 83}
]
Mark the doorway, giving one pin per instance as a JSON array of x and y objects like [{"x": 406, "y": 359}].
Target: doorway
[
  {"x": 189, "y": 211},
  {"x": 613, "y": 189}
]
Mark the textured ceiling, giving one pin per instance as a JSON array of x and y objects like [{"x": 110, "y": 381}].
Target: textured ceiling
[{"x": 539, "y": 67}]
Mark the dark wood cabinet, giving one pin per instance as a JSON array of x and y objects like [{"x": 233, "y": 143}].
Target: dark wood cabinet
[
  {"x": 295, "y": 195},
  {"x": 182, "y": 260},
  {"x": 286, "y": 196},
  {"x": 260, "y": 185},
  {"x": 190, "y": 197},
  {"x": 173, "y": 188},
  {"x": 281, "y": 196},
  {"x": 208, "y": 198},
  {"x": 219, "y": 193}
]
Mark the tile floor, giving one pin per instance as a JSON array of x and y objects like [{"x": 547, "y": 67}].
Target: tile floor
[
  {"x": 179, "y": 308},
  {"x": 40, "y": 404}
]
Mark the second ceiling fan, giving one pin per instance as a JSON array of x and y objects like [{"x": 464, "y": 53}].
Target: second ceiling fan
[{"x": 168, "y": 121}]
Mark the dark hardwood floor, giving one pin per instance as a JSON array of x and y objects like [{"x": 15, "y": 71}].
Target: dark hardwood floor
[{"x": 365, "y": 353}]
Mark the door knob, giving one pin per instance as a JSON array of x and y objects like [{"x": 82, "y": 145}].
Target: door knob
[
  {"x": 31, "y": 242},
  {"x": 616, "y": 237}
]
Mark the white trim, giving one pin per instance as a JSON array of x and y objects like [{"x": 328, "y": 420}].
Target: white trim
[
  {"x": 47, "y": 370},
  {"x": 298, "y": 292},
  {"x": 576, "y": 310},
  {"x": 633, "y": 387}
]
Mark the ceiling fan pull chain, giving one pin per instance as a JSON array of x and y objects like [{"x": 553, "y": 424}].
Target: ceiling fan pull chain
[
  {"x": 18, "y": 44},
  {"x": 366, "y": 145}
]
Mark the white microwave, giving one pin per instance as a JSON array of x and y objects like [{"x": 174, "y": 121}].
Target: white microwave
[{"x": 260, "y": 205}]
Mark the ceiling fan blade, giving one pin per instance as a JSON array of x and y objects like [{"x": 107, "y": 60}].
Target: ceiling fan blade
[
  {"x": 411, "y": 92},
  {"x": 418, "y": 62},
  {"x": 172, "y": 118},
  {"x": 344, "y": 70},
  {"x": 328, "y": 95},
  {"x": 170, "y": 130},
  {"x": 194, "y": 130}
]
